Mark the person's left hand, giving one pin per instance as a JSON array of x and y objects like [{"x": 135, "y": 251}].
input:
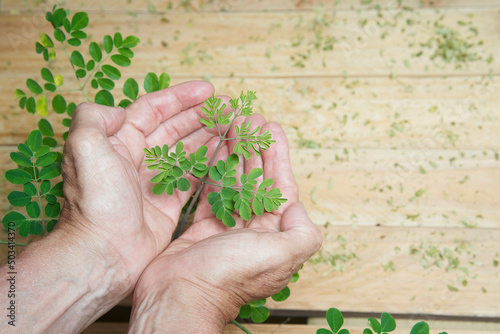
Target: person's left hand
[
  {"x": 201, "y": 280},
  {"x": 109, "y": 204}
]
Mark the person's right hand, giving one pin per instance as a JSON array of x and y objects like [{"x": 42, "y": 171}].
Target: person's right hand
[{"x": 201, "y": 280}]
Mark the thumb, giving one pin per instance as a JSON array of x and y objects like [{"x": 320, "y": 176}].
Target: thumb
[
  {"x": 91, "y": 116},
  {"x": 304, "y": 237}
]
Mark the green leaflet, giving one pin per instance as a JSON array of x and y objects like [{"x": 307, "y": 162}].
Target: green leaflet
[
  {"x": 130, "y": 42},
  {"x": 79, "y": 21},
  {"x": 131, "y": 89},
  {"x": 112, "y": 72},
  {"x": 335, "y": 319},
  {"x": 17, "y": 176},
  {"x": 151, "y": 83},
  {"x": 105, "y": 98},
  {"x": 282, "y": 295}
]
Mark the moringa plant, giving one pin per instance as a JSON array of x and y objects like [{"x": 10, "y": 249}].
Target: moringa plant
[
  {"x": 39, "y": 158},
  {"x": 386, "y": 324}
]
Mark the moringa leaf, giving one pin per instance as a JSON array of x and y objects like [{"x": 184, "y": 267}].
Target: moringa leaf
[
  {"x": 77, "y": 59},
  {"x": 108, "y": 43},
  {"x": 79, "y": 21},
  {"x": 111, "y": 71},
  {"x": 388, "y": 323},
  {"x": 34, "y": 87},
  {"x": 164, "y": 81},
  {"x": 335, "y": 319},
  {"x": 34, "y": 140},
  {"x": 104, "y": 98},
  {"x": 19, "y": 198},
  {"x": 131, "y": 89},
  {"x": 130, "y": 42},
  {"x": 151, "y": 83},
  {"x": 282, "y": 295},
  {"x": 59, "y": 104},
  {"x": 121, "y": 60},
  {"x": 95, "y": 51},
  {"x": 41, "y": 106}
]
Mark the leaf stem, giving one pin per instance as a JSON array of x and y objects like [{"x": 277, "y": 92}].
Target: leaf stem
[
  {"x": 2, "y": 242},
  {"x": 196, "y": 195},
  {"x": 74, "y": 70},
  {"x": 37, "y": 186},
  {"x": 240, "y": 326},
  {"x": 203, "y": 181}
]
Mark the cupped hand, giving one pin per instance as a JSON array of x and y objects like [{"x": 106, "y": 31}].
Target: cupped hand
[
  {"x": 108, "y": 198},
  {"x": 221, "y": 268}
]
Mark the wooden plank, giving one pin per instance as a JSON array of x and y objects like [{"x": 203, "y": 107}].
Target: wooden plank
[
  {"x": 368, "y": 284},
  {"x": 196, "y": 47},
  {"x": 365, "y": 188},
  {"x": 238, "y": 5},
  {"x": 333, "y": 112},
  {"x": 121, "y": 328},
  {"x": 368, "y": 188}
]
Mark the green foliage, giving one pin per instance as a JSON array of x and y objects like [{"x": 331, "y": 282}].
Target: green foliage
[
  {"x": 386, "y": 324},
  {"x": 37, "y": 164},
  {"x": 174, "y": 167},
  {"x": 236, "y": 193},
  {"x": 37, "y": 159}
]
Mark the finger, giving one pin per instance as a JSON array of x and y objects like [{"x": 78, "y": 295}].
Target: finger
[
  {"x": 152, "y": 109},
  {"x": 277, "y": 165},
  {"x": 181, "y": 125},
  {"x": 90, "y": 127},
  {"x": 106, "y": 120},
  {"x": 301, "y": 234}
]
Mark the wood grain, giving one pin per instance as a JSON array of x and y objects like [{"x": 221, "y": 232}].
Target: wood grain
[
  {"x": 238, "y": 5},
  {"x": 365, "y": 285},
  {"x": 196, "y": 46},
  {"x": 121, "y": 328},
  {"x": 370, "y": 126}
]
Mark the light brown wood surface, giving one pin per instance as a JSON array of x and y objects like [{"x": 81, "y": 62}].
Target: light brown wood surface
[
  {"x": 121, "y": 328},
  {"x": 369, "y": 127}
]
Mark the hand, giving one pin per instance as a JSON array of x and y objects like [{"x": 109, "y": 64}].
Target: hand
[
  {"x": 108, "y": 198},
  {"x": 111, "y": 225},
  {"x": 201, "y": 280}
]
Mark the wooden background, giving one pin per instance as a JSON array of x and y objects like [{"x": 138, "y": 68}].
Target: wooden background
[{"x": 396, "y": 155}]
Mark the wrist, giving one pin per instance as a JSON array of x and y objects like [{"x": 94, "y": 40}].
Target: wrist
[
  {"x": 179, "y": 306},
  {"x": 64, "y": 285}
]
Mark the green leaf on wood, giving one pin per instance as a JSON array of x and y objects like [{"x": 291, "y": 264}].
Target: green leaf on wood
[
  {"x": 95, "y": 51},
  {"x": 33, "y": 209},
  {"x": 111, "y": 71},
  {"x": 151, "y": 83},
  {"x": 282, "y": 295},
  {"x": 34, "y": 87},
  {"x": 77, "y": 59},
  {"x": 42, "y": 107},
  {"x": 130, "y": 42},
  {"x": 47, "y": 75},
  {"x": 50, "y": 171},
  {"x": 19, "y": 198},
  {"x": 121, "y": 60},
  {"x": 105, "y": 98},
  {"x": 79, "y": 21},
  {"x": 14, "y": 217},
  {"x": 420, "y": 328},
  {"x": 108, "y": 43},
  {"x": 34, "y": 140},
  {"x": 335, "y": 319},
  {"x": 106, "y": 84},
  {"x": 387, "y": 322},
  {"x": 131, "y": 89},
  {"x": 59, "y": 104},
  {"x": 164, "y": 81}
]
